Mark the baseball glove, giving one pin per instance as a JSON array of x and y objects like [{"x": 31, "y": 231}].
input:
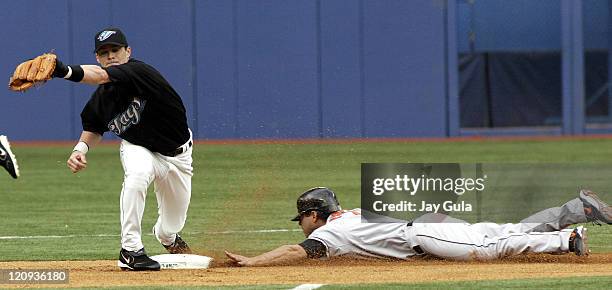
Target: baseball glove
[{"x": 32, "y": 72}]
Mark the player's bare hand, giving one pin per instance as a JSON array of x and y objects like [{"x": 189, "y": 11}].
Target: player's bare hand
[
  {"x": 238, "y": 259},
  {"x": 77, "y": 161}
]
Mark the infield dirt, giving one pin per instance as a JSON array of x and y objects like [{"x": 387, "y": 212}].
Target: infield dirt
[{"x": 338, "y": 271}]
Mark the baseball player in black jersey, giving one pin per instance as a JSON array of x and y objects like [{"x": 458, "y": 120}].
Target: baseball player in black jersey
[{"x": 136, "y": 103}]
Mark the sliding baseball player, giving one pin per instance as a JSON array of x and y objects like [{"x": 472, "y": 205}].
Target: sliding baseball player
[{"x": 331, "y": 231}]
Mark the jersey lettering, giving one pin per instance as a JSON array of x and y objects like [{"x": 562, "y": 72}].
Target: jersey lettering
[
  {"x": 338, "y": 214},
  {"x": 128, "y": 118}
]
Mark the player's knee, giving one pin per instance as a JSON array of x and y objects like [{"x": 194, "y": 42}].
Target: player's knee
[{"x": 137, "y": 179}]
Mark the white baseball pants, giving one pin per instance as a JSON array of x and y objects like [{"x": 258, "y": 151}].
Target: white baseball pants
[
  {"x": 172, "y": 183},
  {"x": 484, "y": 241}
]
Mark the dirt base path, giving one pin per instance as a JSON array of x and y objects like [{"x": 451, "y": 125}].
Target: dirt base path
[{"x": 338, "y": 271}]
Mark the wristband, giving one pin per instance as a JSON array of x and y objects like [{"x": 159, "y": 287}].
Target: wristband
[
  {"x": 61, "y": 70},
  {"x": 69, "y": 74},
  {"x": 75, "y": 73},
  {"x": 81, "y": 147}
]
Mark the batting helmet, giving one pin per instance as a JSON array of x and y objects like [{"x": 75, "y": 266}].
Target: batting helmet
[{"x": 321, "y": 199}]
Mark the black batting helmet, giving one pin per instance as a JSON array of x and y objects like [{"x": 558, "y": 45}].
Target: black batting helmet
[{"x": 321, "y": 199}]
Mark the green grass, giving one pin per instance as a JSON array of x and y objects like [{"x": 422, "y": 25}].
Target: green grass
[
  {"x": 235, "y": 188},
  {"x": 601, "y": 282}
]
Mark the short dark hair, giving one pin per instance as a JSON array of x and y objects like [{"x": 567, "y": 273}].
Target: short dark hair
[{"x": 320, "y": 214}]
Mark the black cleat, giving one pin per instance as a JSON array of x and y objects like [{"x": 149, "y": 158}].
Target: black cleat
[
  {"x": 178, "y": 247},
  {"x": 136, "y": 261},
  {"x": 594, "y": 208},
  {"x": 7, "y": 158}
]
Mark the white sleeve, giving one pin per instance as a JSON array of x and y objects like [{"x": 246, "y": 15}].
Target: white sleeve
[{"x": 332, "y": 238}]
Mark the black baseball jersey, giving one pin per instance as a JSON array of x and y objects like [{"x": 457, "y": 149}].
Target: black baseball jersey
[{"x": 139, "y": 106}]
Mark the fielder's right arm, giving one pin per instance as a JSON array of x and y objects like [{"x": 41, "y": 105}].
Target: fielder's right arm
[
  {"x": 94, "y": 75},
  {"x": 77, "y": 160},
  {"x": 88, "y": 74},
  {"x": 47, "y": 66}
]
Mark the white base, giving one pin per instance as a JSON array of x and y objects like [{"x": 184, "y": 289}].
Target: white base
[{"x": 182, "y": 261}]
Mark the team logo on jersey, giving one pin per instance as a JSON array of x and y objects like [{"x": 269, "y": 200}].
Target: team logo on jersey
[
  {"x": 128, "y": 118},
  {"x": 105, "y": 34}
]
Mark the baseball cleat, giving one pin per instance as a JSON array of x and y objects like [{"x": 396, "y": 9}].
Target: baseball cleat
[
  {"x": 7, "y": 158},
  {"x": 178, "y": 247},
  {"x": 578, "y": 242},
  {"x": 594, "y": 208},
  {"x": 136, "y": 261}
]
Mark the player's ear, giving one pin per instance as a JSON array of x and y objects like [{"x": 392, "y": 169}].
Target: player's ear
[
  {"x": 313, "y": 215},
  {"x": 129, "y": 51}
]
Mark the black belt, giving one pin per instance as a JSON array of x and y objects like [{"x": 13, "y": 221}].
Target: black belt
[{"x": 179, "y": 150}]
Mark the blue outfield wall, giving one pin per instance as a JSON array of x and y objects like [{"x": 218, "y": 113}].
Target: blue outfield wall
[
  {"x": 247, "y": 69},
  {"x": 281, "y": 68},
  {"x": 42, "y": 113}
]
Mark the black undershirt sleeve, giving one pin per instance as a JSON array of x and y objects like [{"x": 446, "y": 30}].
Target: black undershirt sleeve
[
  {"x": 90, "y": 123},
  {"x": 314, "y": 249},
  {"x": 122, "y": 73},
  {"x": 128, "y": 75},
  {"x": 137, "y": 77}
]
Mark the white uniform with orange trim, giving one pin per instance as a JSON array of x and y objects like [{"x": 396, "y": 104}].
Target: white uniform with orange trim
[{"x": 345, "y": 234}]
